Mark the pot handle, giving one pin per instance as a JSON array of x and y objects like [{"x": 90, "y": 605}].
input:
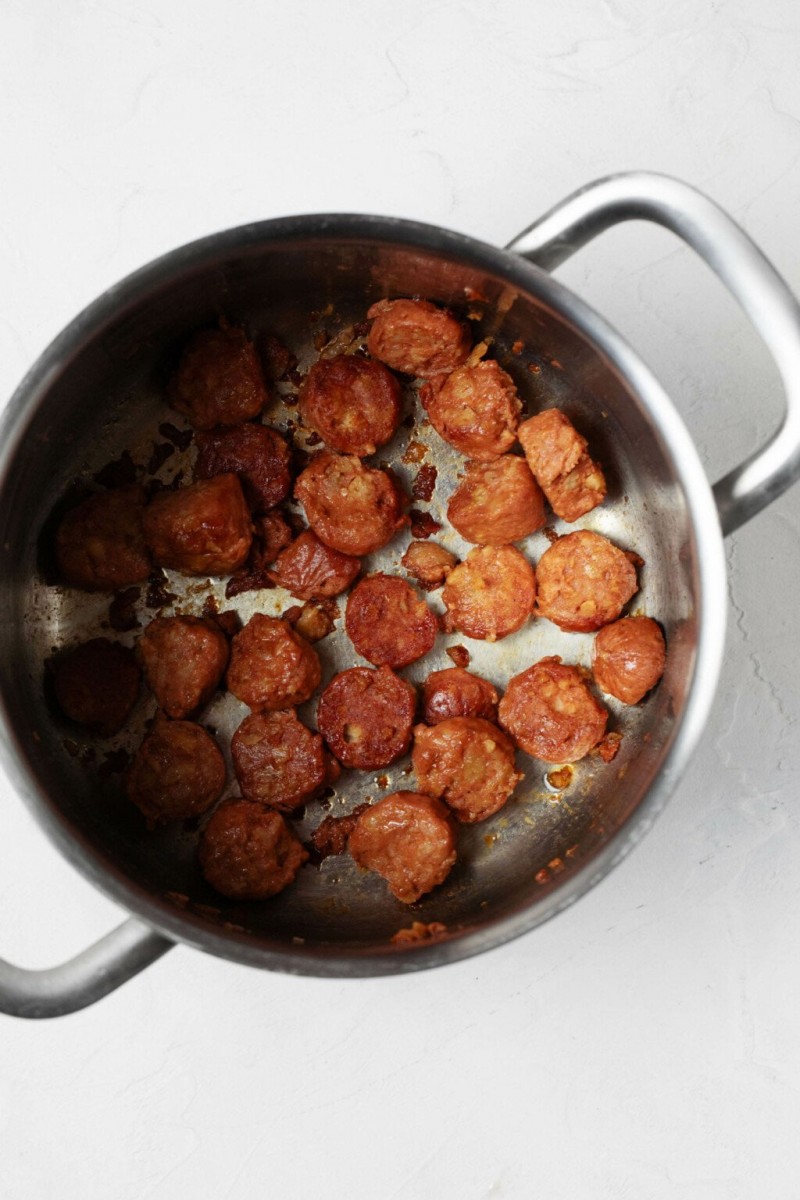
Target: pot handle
[
  {"x": 748, "y": 275},
  {"x": 92, "y": 974}
]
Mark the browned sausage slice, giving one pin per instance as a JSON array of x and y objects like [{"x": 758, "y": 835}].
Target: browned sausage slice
[
  {"x": 184, "y": 659},
  {"x": 429, "y": 563},
  {"x": 271, "y": 665},
  {"x": 278, "y": 760},
  {"x": 350, "y": 507},
  {"x": 455, "y": 692},
  {"x": 353, "y": 403},
  {"x": 476, "y": 410},
  {"x": 417, "y": 338},
  {"x": 366, "y": 716},
  {"x": 308, "y": 568},
  {"x": 219, "y": 379},
  {"x": 248, "y": 852},
  {"x": 497, "y": 502},
  {"x": 96, "y": 684},
  {"x": 557, "y": 455},
  {"x": 468, "y": 763},
  {"x": 100, "y": 543},
  {"x": 202, "y": 529},
  {"x": 551, "y": 714},
  {"x": 259, "y": 456},
  {"x": 409, "y": 840},
  {"x": 584, "y": 581},
  {"x": 387, "y": 622},
  {"x": 629, "y": 658},
  {"x": 490, "y": 594},
  {"x": 177, "y": 772}
]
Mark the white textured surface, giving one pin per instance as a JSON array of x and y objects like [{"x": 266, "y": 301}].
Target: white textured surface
[{"x": 647, "y": 1043}]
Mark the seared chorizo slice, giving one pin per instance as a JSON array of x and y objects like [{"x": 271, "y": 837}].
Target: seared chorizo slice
[
  {"x": 256, "y": 454},
  {"x": 629, "y": 658},
  {"x": 177, "y": 772},
  {"x": 308, "y": 568},
  {"x": 584, "y": 581},
  {"x": 184, "y": 659},
  {"x": 272, "y": 534},
  {"x": 409, "y": 840},
  {"x": 388, "y": 623},
  {"x": 96, "y": 684},
  {"x": 202, "y": 529},
  {"x": 271, "y": 665},
  {"x": 365, "y": 717},
  {"x": 353, "y": 403},
  {"x": 490, "y": 594},
  {"x": 417, "y": 338},
  {"x": 551, "y": 713},
  {"x": 476, "y": 410},
  {"x": 455, "y": 692},
  {"x": 467, "y": 762},
  {"x": 219, "y": 379},
  {"x": 278, "y": 760},
  {"x": 350, "y": 507},
  {"x": 429, "y": 563},
  {"x": 100, "y": 544},
  {"x": 557, "y": 455},
  {"x": 248, "y": 852},
  {"x": 497, "y": 502}
]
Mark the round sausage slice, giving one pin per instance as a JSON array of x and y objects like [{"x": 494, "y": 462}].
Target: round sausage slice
[
  {"x": 177, "y": 772},
  {"x": 468, "y": 763},
  {"x": 259, "y": 456},
  {"x": 100, "y": 543},
  {"x": 308, "y": 568},
  {"x": 417, "y": 338},
  {"x": 455, "y": 692},
  {"x": 429, "y": 563},
  {"x": 409, "y": 840},
  {"x": 497, "y": 502},
  {"x": 353, "y": 403},
  {"x": 202, "y": 529},
  {"x": 490, "y": 594},
  {"x": 551, "y": 714},
  {"x": 271, "y": 665},
  {"x": 350, "y": 507},
  {"x": 476, "y": 410},
  {"x": 218, "y": 380},
  {"x": 584, "y": 581},
  {"x": 248, "y": 852},
  {"x": 366, "y": 716},
  {"x": 629, "y": 657},
  {"x": 184, "y": 659},
  {"x": 278, "y": 760},
  {"x": 97, "y": 684},
  {"x": 387, "y": 622}
]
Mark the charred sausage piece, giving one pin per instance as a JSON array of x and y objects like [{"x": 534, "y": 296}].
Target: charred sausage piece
[
  {"x": 551, "y": 714},
  {"x": 388, "y": 623},
  {"x": 497, "y": 502},
  {"x": 202, "y": 529},
  {"x": 350, "y": 507},
  {"x": 417, "y": 338},
  {"x": 468, "y": 763},
  {"x": 272, "y": 534},
  {"x": 259, "y": 456},
  {"x": 455, "y": 692},
  {"x": 184, "y": 659},
  {"x": 429, "y": 563},
  {"x": 218, "y": 380},
  {"x": 271, "y": 665},
  {"x": 584, "y": 581},
  {"x": 248, "y": 852},
  {"x": 308, "y": 568},
  {"x": 177, "y": 772},
  {"x": 490, "y": 594},
  {"x": 278, "y": 760},
  {"x": 629, "y": 657},
  {"x": 476, "y": 410},
  {"x": 354, "y": 404},
  {"x": 366, "y": 716},
  {"x": 409, "y": 840},
  {"x": 96, "y": 684},
  {"x": 557, "y": 455},
  {"x": 100, "y": 544}
]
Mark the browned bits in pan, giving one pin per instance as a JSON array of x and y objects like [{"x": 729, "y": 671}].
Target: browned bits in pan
[
  {"x": 331, "y": 835},
  {"x": 551, "y": 713},
  {"x": 307, "y": 567},
  {"x": 278, "y": 761},
  {"x": 429, "y": 563},
  {"x": 629, "y": 657},
  {"x": 351, "y": 507},
  {"x": 476, "y": 410},
  {"x": 177, "y": 772},
  {"x": 497, "y": 502},
  {"x": 277, "y": 359},
  {"x": 249, "y": 852},
  {"x": 184, "y": 659},
  {"x": 467, "y": 762},
  {"x": 417, "y": 338},
  {"x": 259, "y": 456},
  {"x": 425, "y": 482},
  {"x": 558, "y": 457},
  {"x": 387, "y": 621},
  {"x": 202, "y": 529},
  {"x": 408, "y": 839},
  {"x": 100, "y": 544},
  {"x": 353, "y": 403},
  {"x": 490, "y": 594},
  {"x": 584, "y": 581},
  {"x": 366, "y": 716},
  {"x": 96, "y": 684},
  {"x": 218, "y": 380},
  {"x": 422, "y": 524},
  {"x": 455, "y": 692},
  {"x": 271, "y": 665}
]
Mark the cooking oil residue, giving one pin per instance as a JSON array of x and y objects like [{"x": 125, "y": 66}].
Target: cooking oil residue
[{"x": 559, "y": 779}]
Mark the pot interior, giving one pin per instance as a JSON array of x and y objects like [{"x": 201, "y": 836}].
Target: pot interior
[{"x": 101, "y": 391}]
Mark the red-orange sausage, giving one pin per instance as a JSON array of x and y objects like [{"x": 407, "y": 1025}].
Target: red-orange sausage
[
  {"x": 455, "y": 692},
  {"x": 584, "y": 581},
  {"x": 387, "y": 621},
  {"x": 629, "y": 658},
  {"x": 202, "y": 529},
  {"x": 498, "y": 502},
  {"x": 257, "y": 455},
  {"x": 353, "y": 403},
  {"x": 550, "y": 712},
  {"x": 248, "y": 852},
  {"x": 271, "y": 665},
  {"x": 278, "y": 761},
  {"x": 490, "y": 594},
  {"x": 417, "y": 338},
  {"x": 308, "y": 568},
  {"x": 351, "y": 507},
  {"x": 177, "y": 772},
  {"x": 218, "y": 380},
  {"x": 366, "y": 716},
  {"x": 408, "y": 839},
  {"x": 100, "y": 543},
  {"x": 184, "y": 659},
  {"x": 468, "y": 763},
  {"x": 476, "y": 410}
]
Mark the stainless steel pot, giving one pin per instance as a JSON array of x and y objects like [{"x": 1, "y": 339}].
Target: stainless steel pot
[{"x": 98, "y": 388}]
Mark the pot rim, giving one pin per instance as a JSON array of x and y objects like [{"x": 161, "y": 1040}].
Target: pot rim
[{"x": 184, "y": 926}]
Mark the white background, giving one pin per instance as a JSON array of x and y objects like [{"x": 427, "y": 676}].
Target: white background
[{"x": 646, "y": 1044}]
